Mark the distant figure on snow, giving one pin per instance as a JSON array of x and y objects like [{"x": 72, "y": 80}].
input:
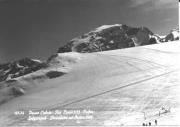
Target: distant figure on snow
[
  {"x": 156, "y": 122},
  {"x": 149, "y": 123},
  {"x": 143, "y": 124}
]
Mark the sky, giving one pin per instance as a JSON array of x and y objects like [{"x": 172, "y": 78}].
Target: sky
[{"x": 37, "y": 28}]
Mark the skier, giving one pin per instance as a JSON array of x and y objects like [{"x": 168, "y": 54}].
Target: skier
[
  {"x": 156, "y": 122},
  {"x": 149, "y": 123}
]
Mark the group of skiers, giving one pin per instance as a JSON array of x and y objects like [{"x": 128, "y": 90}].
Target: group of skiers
[
  {"x": 149, "y": 124},
  {"x": 161, "y": 111}
]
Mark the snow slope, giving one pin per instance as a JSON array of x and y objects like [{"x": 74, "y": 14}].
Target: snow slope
[{"x": 118, "y": 85}]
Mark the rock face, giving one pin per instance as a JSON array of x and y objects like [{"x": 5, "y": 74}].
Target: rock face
[
  {"x": 19, "y": 68},
  {"x": 109, "y": 37},
  {"x": 173, "y": 35}
]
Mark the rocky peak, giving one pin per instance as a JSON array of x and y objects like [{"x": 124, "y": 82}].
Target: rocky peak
[
  {"x": 103, "y": 38},
  {"x": 173, "y": 35},
  {"x": 20, "y": 67},
  {"x": 109, "y": 37}
]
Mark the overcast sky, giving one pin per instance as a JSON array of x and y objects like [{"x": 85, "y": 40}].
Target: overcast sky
[{"x": 36, "y": 28}]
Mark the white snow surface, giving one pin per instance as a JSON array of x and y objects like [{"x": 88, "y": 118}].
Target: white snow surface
[
  {"x": 99, "y": 29},
  {"x": 36, "y": 60},
  {"x": 175, "y": 34},
  {"x": 119, "y": 86},
  {"x": 66, "y": 59}
]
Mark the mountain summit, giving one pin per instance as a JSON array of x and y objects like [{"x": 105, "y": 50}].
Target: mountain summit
[
  {"x": 110, "y": 37},
  {"x": 103, "y": 38}
]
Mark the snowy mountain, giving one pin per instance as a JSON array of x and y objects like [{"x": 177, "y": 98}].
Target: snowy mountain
[
  {"x": 173, "y": 35},
  {"x": 133, "y": 83},
  {"x": 122, "y": 87},
  {"x": 103, "y": 38},
  {"x": 19, "y": 68},
  {"x": 110, "y": 37}
]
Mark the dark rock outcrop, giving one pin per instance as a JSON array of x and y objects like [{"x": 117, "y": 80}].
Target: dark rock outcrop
[
  {"x": 109, "y": 37},
  {"x": 19, "y": 68},
  {"x": 54, "y": 74},
  {"x": 173, "y": 35}
]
